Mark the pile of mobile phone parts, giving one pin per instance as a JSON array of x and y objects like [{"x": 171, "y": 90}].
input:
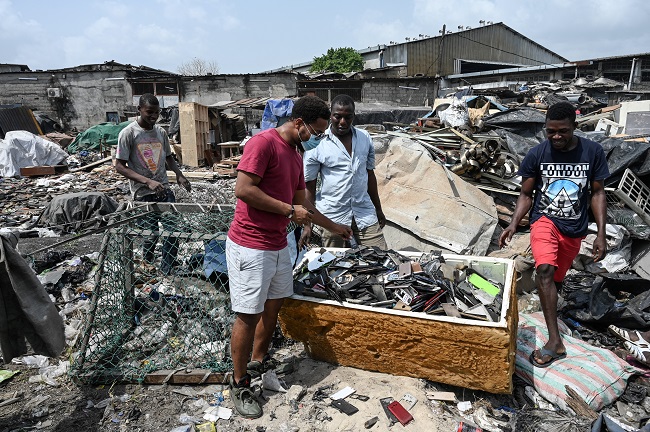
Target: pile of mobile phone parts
[{"x": 387, "y": 279}]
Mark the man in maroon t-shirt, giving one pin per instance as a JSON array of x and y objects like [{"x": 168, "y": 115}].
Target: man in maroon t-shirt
[{"x": 270, "y": 190}]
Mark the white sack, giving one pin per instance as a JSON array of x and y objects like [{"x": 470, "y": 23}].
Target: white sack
[{"x": 21, "y": 149}]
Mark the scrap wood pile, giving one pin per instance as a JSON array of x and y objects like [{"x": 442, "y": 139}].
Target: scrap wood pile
[{"x": 388, "y": 279}]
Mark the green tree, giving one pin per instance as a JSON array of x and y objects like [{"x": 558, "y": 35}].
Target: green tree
[{"x": 340, "y": 60}]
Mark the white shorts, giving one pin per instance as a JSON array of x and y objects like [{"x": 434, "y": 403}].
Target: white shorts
[{"x": 255, "y": 276}]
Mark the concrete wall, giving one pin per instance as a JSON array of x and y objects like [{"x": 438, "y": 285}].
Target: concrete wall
[
  {"x": 407, "y": 92},
  {"x": 208, "y": 90},
  {"x": 85, "y": 97}
]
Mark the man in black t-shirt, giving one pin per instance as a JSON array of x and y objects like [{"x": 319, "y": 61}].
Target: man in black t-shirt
[{"x": 560, "y": 178}]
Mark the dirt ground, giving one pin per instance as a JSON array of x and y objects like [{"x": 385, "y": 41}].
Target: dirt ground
[{"x": 69, "y": 407}]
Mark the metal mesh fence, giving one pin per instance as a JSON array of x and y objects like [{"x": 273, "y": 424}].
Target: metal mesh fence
[{"x": 160, "y": 297}]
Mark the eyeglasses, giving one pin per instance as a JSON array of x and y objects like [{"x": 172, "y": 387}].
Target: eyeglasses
[{"x": 311, "y": 130}]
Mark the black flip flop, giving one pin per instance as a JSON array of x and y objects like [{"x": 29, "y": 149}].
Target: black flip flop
[{"x": 546, "y": 352}]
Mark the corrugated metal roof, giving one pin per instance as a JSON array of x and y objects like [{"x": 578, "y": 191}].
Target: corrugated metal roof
[
  {"x": 20, "y": 118},
  {"x": 615, "y": 57},
  {"x": 494, "y": 43},
  {"x": 259, "y": 102}
]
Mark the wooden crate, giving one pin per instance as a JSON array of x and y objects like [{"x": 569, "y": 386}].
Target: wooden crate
[
  {"x": 462, "y": 352},
  {"x": 195, "y": 131}
]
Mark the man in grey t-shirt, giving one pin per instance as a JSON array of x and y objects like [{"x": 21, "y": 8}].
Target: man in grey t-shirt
[{"x": 143, "y": 153}]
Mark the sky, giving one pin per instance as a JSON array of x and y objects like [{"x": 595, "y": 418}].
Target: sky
[{"x": 255, "y": 36}]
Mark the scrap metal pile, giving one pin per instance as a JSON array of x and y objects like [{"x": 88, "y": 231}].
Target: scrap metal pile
[
  {"x": 387, "y": 279},
  {"x": 474, "y": 156}
]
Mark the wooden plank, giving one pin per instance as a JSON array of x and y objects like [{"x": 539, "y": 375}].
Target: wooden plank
[
  {"x": 92, "y": 165},
  {"x": 610, "y": 108},
  {"x": 463, "y": 136},
  {"x": 192, "y": 175},
  {"x": 194, "y": 376},
  {"x": 43, "y": 170},
  {"x": 578, "y": 404},
  {"x": 442, "y": 396}
]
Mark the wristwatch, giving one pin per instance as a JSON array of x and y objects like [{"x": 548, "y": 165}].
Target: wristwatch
[{"x": 290, "y": 215}]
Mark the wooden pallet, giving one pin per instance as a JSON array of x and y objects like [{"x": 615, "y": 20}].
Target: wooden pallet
[{"x": 195, "y": 131}]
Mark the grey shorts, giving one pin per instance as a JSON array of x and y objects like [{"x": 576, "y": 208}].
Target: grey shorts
[{"x": 255, "y": 276}]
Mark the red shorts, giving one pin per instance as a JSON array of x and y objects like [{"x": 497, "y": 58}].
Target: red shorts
[{"x": 551, "y": 247}]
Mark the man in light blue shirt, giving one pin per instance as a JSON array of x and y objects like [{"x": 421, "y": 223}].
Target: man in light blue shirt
[{"x": 345, "y": 160}]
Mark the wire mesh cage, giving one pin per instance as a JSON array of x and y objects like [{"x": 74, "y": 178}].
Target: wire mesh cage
[{"x": 160, "y": 298}]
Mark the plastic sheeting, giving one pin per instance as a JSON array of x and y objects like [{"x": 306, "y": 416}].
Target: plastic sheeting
[
  {"x": 623, "y": 154},
  {"x": 523, "y": 128},
  {"x": 422, "y": 203},
  {"x": 274, "y": 110},
  {"x": 214, "y": 261},
  {"x": 619, "y": 251},
  {"x": 26, "y": 311},
  {"x": 89, "y": 139},
  {"x": 21, "y": 149},
  {"x": 46, "y": 123},
  {"x": 378, "y": 113},
  {"x": 594, "y": 299},
  {"x": 539, "y": 420},
  {"x": 74, "y": 211},
  {"x": 456, "y": 115},
  {"x": 174, "y": 121},
  {"x": 604, "y": 423}
]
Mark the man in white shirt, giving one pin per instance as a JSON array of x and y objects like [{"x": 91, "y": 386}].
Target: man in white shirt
[{"x": 345, "y": 160}]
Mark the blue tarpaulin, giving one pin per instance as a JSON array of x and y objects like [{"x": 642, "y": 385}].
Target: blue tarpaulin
[{"x": 275, "y": 110}]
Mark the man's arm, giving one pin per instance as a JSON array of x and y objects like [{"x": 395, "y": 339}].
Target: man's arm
[
  {"x": 524, "y": 202},
  {"x": 310, "y": 191},
  {"x": 318, "y": 218},
  {"x": 310, "y": 196},
  {"x": 153, "y": 185},
  {"x": 180, "y": 178},
  {"x": 247, "y": 189},
  {"x": 599, "y": 208},
  {"x": 374, "y": 197}
]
